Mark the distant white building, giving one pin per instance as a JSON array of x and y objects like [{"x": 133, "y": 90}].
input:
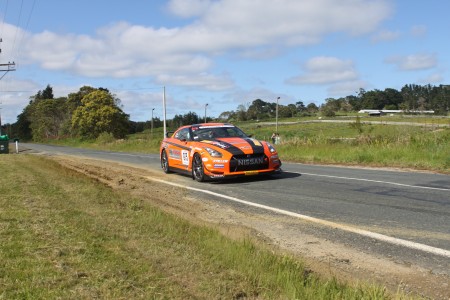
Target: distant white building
[{"x": 393, "y": 111}]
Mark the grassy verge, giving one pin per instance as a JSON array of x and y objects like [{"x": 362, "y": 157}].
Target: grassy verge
[
  {"x": 422, "y": 148},
  {"x": 416, "y": 147},
  {"x": 63, "y": 235}
]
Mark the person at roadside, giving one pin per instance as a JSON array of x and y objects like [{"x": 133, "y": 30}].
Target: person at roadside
[{"x": 274, "y": 138}]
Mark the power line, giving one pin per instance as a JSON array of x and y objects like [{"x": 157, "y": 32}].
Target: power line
[
  {"x": 4, "y": 16},
  {"x": 25, "y": 29},
  {"x": 17, "y": 27}
]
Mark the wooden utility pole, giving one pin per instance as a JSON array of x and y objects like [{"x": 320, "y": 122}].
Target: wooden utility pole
[{"x": 10, "y": 66}]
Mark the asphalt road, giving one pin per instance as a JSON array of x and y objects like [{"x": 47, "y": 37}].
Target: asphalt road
[{"x": 407, "y": 212}]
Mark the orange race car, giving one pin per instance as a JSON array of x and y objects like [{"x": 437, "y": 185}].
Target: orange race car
[{"x": 215, "y": 151}]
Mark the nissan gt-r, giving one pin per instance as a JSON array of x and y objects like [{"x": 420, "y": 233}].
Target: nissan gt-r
[{"x": 215, "y": 151}]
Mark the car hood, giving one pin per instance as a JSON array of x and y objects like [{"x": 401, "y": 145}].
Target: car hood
[{"x": 237, "y": 146}]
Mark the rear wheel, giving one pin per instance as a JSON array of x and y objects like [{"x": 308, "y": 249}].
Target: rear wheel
[
  {"x": 165, "y": 162},
  {"x": 198, "y": 173}
]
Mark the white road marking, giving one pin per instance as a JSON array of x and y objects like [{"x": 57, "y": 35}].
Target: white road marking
[
  {"x": 370, "y": 180},
  {"x": 374, "y": 235}
]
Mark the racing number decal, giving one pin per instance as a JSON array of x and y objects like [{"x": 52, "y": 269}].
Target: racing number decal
[{"x": 185, "y": 157}]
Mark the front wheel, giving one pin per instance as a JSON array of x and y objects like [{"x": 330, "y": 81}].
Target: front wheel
[
  {"x": 165, "y": 162},
  {"x": 198, "y": 173}
]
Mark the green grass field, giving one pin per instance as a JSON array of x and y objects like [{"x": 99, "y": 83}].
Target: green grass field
[
  {"x": 66, "y": 236},
  {"x": 415, "y": 147},
  {"x": 424, "y": 147}
]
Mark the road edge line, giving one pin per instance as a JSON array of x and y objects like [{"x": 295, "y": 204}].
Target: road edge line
[{"x": 366, "y": 233}]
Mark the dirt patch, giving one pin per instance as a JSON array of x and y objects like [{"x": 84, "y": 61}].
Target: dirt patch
[{"x": 281, "y": 233}]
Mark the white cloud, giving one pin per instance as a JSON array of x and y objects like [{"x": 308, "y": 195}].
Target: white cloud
[
  {"x": 346, "y": 88},
  {"x": 206, "y": 81},
  {"x": 325, "y": 70},
  {"x": 413, "y": 62},
  {"x": 125, "y": 50},
  {"x": 246, "y": 97},
  {"x": 188, "y": 8},
  {"x": 433, "y": 79},
  {"x": 14, "y": 93},
  {"x": 386, "y": 35},
  {"x": 419, "y": 30},
  {"x": 185, "y": 55}
]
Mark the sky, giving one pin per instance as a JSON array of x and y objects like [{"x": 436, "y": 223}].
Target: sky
[{"x": 215, "y": 55}]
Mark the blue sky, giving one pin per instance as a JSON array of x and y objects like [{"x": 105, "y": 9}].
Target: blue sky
[{"x": 222, "y": 52}]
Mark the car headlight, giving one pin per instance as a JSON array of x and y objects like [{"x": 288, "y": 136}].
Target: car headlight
[
  {"x": 213, "y": 153},
  {"x": 271, "y": 148}
]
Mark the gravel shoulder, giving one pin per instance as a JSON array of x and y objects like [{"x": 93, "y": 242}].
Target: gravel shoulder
[{"x": 282, "y": 234}]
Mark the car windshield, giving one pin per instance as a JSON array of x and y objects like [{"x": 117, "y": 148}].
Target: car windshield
[{"x": 216, "y": 132}]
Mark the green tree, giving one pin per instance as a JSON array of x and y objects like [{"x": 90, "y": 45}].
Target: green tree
[
  {"x": 190, "y": 118},
  {"x": 327, "y": 111},
  {"x": 42, "y": 117},
  {"x": 393, "y": 98},
  {"x": 331, "y": 105},
  {"x": 99, "y": 113},
  {"x": 47, "y": 93},
  {"x": 22, "y": 126},
  {"x": 312, "y": 108},
  {"x": 354, "y": 102},
  {"x": 293, "y": 109},
  {"x": 241, "y": 113},
  {"x": 259, "y": 109},
  {"x": 227, "y": 115},
  {"x": 300, "y": 106},
  {"x": 46, "y": 118}
]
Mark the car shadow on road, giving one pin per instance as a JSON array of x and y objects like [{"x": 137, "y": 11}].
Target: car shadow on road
[{"x": 276, "y": 176}]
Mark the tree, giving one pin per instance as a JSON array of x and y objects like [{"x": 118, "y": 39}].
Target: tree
[
  {"x": 227, "y": 115},
  {"x": 22, "y": 126},
  {"x": 293, "y": 109},
  {"x": 327, "y": 111},
  {"x": 47, "y": 93},
  {"x": 312, "y": 108},
  {"x": 259, "y": 109},
  {"x": 99, "y": 113},
  {"x": 241, "y": 113},
  {"x": 74, "y": 99},
  {"x": 300, "y": 106},
  {"x": 331, "y": 105},
  {"x": 42, "y": 117},
  {"x": 393, "y": 98},
  {"x": 355, "y": 102},
  {"x": 190, "y": 118},
  {"x": 373, "y": 100},
  {"x": 47, "y": 118}
]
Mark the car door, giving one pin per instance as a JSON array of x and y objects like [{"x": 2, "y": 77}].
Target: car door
[{"x": 179, "y": 148}]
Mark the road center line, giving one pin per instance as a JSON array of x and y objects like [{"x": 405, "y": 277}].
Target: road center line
[
  {"x": 370, "y": 180},
  {"x": 374, "y": 235}
]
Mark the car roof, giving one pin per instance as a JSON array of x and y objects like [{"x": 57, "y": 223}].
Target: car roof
[
  {"x": 211, "y": 124},
  {"x": 203, "y": 125}
]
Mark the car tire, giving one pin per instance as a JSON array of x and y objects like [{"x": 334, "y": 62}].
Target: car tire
[
  {"x": 198, "y": 173},
  {"x": 165, "y": 162}
]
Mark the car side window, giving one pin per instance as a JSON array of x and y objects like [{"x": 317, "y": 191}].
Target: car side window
[{"x": 183, "y": 134}]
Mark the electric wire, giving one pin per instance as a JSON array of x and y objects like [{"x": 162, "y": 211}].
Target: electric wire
[
  {"x": 24, "y": 31},
  {"x": 4, "y": 17}
]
